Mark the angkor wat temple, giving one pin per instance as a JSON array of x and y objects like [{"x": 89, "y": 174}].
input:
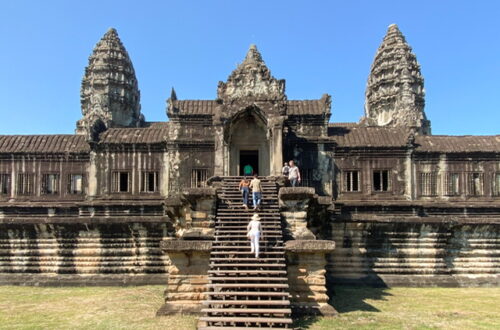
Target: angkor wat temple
[{"x": 127, "y": 201}]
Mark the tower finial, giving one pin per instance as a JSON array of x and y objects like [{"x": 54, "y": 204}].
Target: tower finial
[{"x": 173, "y": 95}]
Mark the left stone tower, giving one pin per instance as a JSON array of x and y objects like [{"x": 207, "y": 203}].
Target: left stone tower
[{"x": 110, "y": 95}]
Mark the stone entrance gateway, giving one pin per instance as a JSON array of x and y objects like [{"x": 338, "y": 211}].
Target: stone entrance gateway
[{"x": 248, "y": 144}]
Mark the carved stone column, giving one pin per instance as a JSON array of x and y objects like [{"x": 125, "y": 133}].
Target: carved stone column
[
  {"x": 276, "y": 149},
  {"x": 219, "y": 151}
]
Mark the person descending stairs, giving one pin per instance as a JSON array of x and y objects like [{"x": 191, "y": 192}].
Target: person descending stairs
[{"x": 245, "y": 292}]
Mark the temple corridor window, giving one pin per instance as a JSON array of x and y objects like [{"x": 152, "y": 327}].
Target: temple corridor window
[
  {"x": 149, "y": 182},
  {"x": 428, "y": 184},
  {"x": 25, "y": 184},
  {"x": 496, "y": 184},
  {"x": 121, "y": 181},
  {"x": 381, "y": 180},
  {"x": 50, "y": 184},
  {"x": 199, "y": 178},
  {"x": 75, "y": 184},
  {"x": 475, "y": 184},
  {"x": 4, "y": 183},
  {"x": 452, "y": 184},
  {"x": 351, "y": 181}
]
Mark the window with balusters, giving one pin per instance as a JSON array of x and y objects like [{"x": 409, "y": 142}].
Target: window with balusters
[
  {"x": 427, "y": 182},
  {"x": 199, "y": 177}
]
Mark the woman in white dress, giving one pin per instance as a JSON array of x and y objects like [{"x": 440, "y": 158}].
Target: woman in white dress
[{"x": 254, "y": 229}]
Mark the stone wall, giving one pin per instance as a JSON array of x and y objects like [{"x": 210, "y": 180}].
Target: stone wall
[
  {"x": 436, "y": 252},
  {"x": 82, "y": 253}
]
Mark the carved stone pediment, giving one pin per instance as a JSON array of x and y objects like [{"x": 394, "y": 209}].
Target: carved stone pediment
[{"x": 251, "y": 80}]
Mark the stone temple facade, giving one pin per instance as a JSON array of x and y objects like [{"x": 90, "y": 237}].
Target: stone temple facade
[{"x": 402, "y": 206}]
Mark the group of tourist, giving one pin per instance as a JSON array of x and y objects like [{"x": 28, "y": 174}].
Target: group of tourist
[
  {"x": 289, "y": 170},
  {"x": 254, "y": 228}
]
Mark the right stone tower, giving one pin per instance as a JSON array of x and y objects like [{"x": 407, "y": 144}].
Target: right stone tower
[{"x": 395, "y": 88}]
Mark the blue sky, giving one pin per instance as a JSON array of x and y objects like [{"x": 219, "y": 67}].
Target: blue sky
[{"x": 317, "y": 46}]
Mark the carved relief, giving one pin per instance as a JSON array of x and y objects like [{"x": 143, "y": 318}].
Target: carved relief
[{"x": 251, "y": 79}]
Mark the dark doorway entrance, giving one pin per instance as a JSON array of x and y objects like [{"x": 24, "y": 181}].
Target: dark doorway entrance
[{"x": 249, "y": 157}]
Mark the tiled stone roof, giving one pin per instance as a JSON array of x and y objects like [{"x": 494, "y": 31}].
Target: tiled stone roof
[
  {"x": 43, "y": 144},
  {"x": 458, "y": 144},
  {"x": 306, "y": 107},
  {"x": 195, "y": 107},
  {"x": 207, "y": 107},
  {"x": 351, "y": 135},
  {"x": 155, "y": 133}
]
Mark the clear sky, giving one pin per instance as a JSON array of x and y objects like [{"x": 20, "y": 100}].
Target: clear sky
[{"x": 317, "y": 46}]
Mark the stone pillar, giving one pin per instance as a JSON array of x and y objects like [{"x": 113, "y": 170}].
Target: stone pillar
[
  {"x": 187, "y": 276},
  {"x": 294, "y": 206},
  {"x": 219, "y": 151},
  {"x": 305, "y": 255},
  {"x": 306, "y": 261},
  {"x": 276, "y": 145}
]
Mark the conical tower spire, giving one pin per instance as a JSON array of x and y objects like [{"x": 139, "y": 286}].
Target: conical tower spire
[
  {"x": 252, "y": 79},
  {"x": 110, "y": 95},
  {"x": 395, "y": 88}
]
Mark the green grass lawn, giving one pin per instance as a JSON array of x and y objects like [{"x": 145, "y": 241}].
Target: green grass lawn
[{"x": 359, "y": 308}]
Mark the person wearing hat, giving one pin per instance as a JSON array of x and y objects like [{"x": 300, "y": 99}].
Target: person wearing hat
[{"x": 254, "y": 229}]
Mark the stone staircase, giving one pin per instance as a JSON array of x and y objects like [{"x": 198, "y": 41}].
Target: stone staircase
[{"x": 245, "y": 292}]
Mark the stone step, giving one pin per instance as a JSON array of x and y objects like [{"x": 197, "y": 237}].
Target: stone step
[
  {"x": 248, "y": 259},
  {"x": 249, "y": 285},
  {"x": 269, "y": 226},
  {"x": 243, "y": 234},
  {"x": 246, "y": 271},
  {"x": 263, "y": 210},
  {"x": 248, "y": 310},
  {"x": 248, "y": 278},
  {"x": 247, "y": 302},
  {"x": 247, "y": 216},
  {"x": 227, "y": 231},
  {"x": 264, "y": 244},
  {"x": 247, "y": 265},
  {"x": 250, "y": 293},
  {"x": 281, "y": 253},
  {"x": 246, "y": 246},
  {"x": 242, "y": 238},
  {"x": 240, "y": 319}
]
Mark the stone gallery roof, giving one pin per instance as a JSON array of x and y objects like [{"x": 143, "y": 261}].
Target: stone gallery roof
[
  {"x": 458, "y": 144},
  {"x": 306, "y": 107},
  {"x": 155, "y": 133},
  {"x": 207, "y": 107},
  {"x": 351, "y": 135},
  {"x": 43, "y": 144},
  {"x": 195, "y": 107}
]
